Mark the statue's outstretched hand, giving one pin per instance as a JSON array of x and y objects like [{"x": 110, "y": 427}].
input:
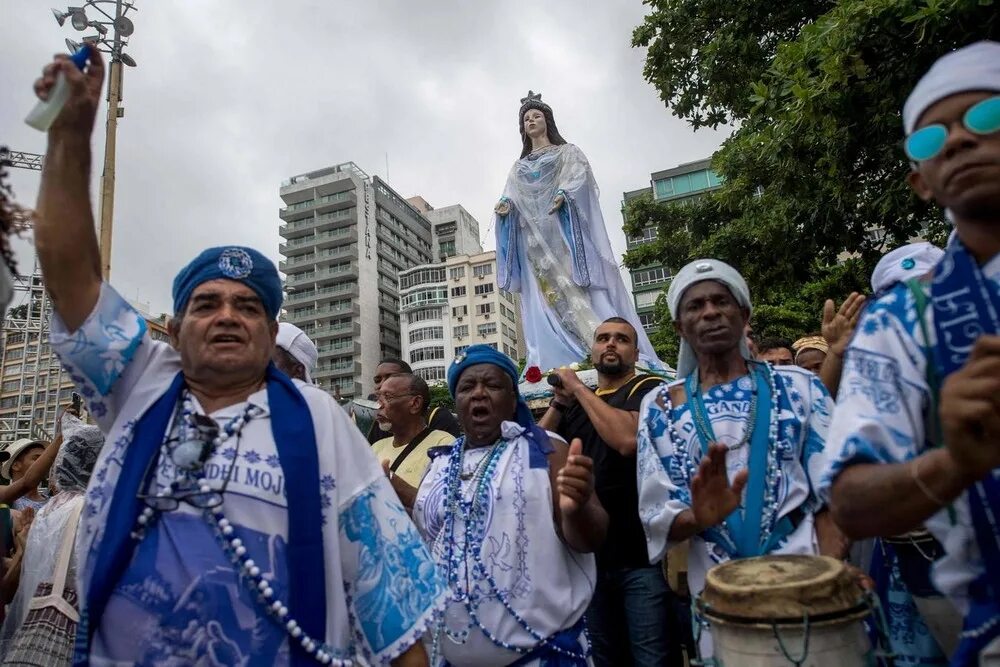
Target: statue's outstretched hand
[
  {"x": 502, "y": 208},
  {"x": 557, "y": 203}
]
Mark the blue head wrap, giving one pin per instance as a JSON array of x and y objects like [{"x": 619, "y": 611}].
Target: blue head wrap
[
  {"x": 484, "y": 354},
  {"x": 244, "y": 265}
]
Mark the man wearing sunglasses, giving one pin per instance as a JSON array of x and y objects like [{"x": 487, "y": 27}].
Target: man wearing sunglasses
[
  {"x": 915, "y": 439},
  {"x": 235, "y": 516}
]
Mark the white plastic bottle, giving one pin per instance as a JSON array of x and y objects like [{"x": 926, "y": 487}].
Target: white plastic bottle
[{"x": 45, "y": 112}]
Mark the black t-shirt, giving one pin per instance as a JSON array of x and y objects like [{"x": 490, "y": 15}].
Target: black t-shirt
[
  {"x": 441, "y": 420},
  {"x": 614, "y": 476}
]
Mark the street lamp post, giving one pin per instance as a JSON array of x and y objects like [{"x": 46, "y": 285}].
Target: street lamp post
[{"x": 122, "y": 28}]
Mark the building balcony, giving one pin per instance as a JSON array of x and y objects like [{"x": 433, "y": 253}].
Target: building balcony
[
  {"x": 326, "y": 221},
  {"x": 308, "y": 277},
  {"x": 318, "y": 256},
  {"x": 306, "y": 296},
  {"x": 326, "y": 202}
]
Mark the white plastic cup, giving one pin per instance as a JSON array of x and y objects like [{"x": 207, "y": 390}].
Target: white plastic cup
[{"x": 46, "y": 111}]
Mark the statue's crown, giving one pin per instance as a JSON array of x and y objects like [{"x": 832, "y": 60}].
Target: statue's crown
[{"x": 534, "y": 99}]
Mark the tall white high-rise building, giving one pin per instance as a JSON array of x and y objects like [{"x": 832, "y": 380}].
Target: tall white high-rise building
[
  {"x": 346, "y": 236},
  {"x": 446, "y": 307}
]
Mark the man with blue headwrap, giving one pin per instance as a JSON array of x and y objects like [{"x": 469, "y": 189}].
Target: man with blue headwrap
[
  {"x": 513, "y": 520},
  {"x": 916, "y": 435},
  {"x": 235, "y": 516}
]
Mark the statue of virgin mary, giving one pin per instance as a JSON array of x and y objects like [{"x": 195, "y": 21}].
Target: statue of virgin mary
[{"x": 553, "y": 247}]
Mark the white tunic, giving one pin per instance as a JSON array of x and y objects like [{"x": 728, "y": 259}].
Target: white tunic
[
  {"x": 881, "y": 417},
  {"x": 179, "y": 601},
  {"x": 664, "y": 469},
  {"x": 545, "y": 581}
]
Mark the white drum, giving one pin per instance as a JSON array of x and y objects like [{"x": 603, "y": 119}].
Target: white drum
[{"x": 776, "y": 611}]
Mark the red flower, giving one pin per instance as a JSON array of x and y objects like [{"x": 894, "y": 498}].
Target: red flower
[{"x": 533, "y": 375}]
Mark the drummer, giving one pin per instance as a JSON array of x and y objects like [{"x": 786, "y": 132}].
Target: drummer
[
  {"x": 917, "y": 434},
  {"x": 726, "y": 426}
]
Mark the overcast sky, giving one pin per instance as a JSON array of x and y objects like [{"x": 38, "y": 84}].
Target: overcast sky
[{"x": 230, "y": 98}]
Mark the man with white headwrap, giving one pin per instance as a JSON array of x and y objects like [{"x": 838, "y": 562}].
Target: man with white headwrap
[
  {"x": 294, "y": 353},
  {"x": 729, "y": 424},
  {"x": 917, "y": 438}
]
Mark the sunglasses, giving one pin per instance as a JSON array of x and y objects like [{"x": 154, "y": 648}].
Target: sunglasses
[{"x": 927, "y": 142}]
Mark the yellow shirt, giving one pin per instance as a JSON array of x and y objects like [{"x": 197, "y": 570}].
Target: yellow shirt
[{"x": 416, "y": 462}]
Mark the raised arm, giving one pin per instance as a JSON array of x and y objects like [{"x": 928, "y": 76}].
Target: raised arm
[
  {"x": 581, "y": 519},
  {"x": 64, "y": 227},
  {"x": 38, "y": 471}
]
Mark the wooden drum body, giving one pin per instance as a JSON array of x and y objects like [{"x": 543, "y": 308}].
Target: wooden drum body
[{"x": 775, "y": 611}]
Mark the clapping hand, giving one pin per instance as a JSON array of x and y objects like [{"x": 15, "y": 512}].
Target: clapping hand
[
  {"x": 970, "y": 410},
  {"x": 838, "y": 324},
  {"x": 713, "y": 498},
  {"x": 575, "y": 480}
]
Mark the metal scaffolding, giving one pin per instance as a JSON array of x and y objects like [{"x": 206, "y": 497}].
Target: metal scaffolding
[{"x": 33, "y": 384}]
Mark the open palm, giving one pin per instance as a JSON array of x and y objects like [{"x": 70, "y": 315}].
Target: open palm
[{"x": 713, "y": 498}]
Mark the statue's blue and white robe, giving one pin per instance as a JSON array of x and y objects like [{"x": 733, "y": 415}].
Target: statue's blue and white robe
[{"x": 180, "y": 600}]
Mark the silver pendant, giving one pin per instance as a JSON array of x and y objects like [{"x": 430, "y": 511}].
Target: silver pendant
[{"x": 187, "y": 455}]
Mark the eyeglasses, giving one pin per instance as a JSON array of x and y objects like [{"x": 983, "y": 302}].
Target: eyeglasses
[
  {"x": 388, "y": 398},
  {"x": 190, "y": 459},
  {"x": 927, "y": 142}
]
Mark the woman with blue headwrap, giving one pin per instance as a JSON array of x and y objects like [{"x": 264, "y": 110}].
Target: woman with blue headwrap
[{"x": 511, "y": 515}]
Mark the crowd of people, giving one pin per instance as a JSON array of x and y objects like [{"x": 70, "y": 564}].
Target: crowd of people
[{"x": 225, "y": 510}]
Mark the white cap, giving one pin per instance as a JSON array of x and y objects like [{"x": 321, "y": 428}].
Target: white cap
[
  {"x": 295, "y": 342},
  {"x": 910, "y": 261},
  {"x": 971, "y": 68}
]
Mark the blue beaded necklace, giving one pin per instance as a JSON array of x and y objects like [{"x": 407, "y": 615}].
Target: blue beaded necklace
[
  {"x": 476, "y": 513},
  {"x": 773, "y": 478}
]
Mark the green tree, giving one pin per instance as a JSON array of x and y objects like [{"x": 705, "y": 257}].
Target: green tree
[
  {"x": 815, "y": 189},
  {"x": 440, "y": 396}
]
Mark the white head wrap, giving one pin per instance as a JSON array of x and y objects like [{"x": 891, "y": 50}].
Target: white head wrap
[
  {"x": 698, "y": 271},
  {"x": 909, "y": 261},
  {"x": 973, "y": 67},
  {"x": 295, "y": 341}
]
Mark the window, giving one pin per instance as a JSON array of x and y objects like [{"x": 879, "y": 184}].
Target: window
[
  {"x": 459, "y": 311},
  {"x": 647, "y": 320},
  {"x": 507, "y": 312},
  {"x": 426, "y": 333},
  {"x": 16, "y": 353},
  {"x": 649, "y": 276},
  {"x": 509, "y": 332},
  {"x": 426, "y": 354},
  {"x": 648, "y": 234},
  {"x": 482, "y": 270},
  {"x": 424, "y": 314},
  {"x": 484, "y": 308},
  {"x": 493, "y": 345},
  {"x": 446, "y": 249},
  {"x": 664, "y": 188},
  {"x": 457, "y": 273},
  {"x": 486, "y": 288},
  {"x": 457, "y": 291},
  {"x": 510, "y": 351},
  {"x": 431, "y": 374},
  {"x": 460, "y": 350},
  {"x": 427, "y": 295},
  {"x": 646, "y": 299},
  {"x": 421, "y": 277},
  {"x": 461, "y": 331},
  {"x": 487, "y": 329}
]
